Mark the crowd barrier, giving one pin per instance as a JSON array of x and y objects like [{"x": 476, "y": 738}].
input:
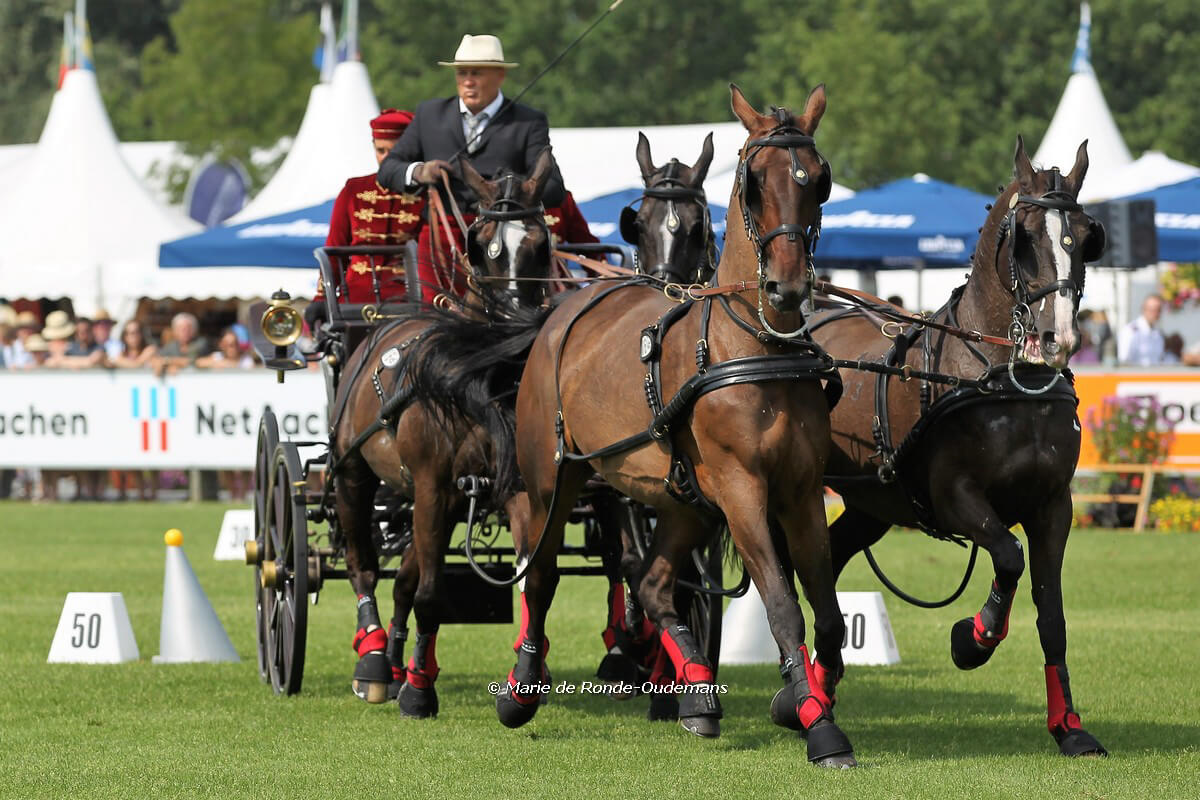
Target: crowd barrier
[{"x": 131, "y": 419}]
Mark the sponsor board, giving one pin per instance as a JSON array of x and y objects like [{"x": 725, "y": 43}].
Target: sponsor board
[
  {"x": 131, "y": 419},
  {"x": 1176, "y": 390}
]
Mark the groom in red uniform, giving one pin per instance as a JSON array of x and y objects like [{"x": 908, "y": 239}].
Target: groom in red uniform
[{"x": 366, "y": 213}]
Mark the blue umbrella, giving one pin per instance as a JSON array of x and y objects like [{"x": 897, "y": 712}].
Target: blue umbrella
[
  {"x": 603, "y": 215},
  {"x": 910, "y": 223},
  {"x": 1176, "y": 219},
  {"x": 284, "y": 240}
]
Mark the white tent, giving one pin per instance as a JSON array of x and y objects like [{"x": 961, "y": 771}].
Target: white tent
[
  {"x": 333, "y": 144},
  {"x": 1083, "y": 114},
  {"x": 600, "y": 161},
  {"x": 76, "y": 221},
  {"x": 1152, "y": 170}
]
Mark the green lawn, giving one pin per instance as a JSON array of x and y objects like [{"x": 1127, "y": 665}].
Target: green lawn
[{"x": 921, "y": 728}]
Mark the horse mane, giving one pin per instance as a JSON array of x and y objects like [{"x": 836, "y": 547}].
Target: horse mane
[{"x": 468, "y": 367}]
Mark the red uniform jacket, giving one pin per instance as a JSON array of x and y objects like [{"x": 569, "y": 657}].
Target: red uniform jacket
[{"x": 366, "y": 213}]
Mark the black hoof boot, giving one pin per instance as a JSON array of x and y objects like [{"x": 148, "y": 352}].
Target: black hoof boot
[
  {"x": 829, "y": 747},
  {"x": 700, "y": 711},
  {"x": 513, "y": 710},
  {"x": 418, "y": 703},
  {"x": 617, "y": 667},
  {"x": 1078, "y": 742},
  {"x": 783, "y": 709},
  {"x": 372, "y": 674},
  {"x": 966, "y": 652},
  {"x": 663, "y": 707}
]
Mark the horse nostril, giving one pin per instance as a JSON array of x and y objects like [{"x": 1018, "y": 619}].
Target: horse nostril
[
  {"x": 1049, "y": 344},
  {"x": 772, "y": 287}
]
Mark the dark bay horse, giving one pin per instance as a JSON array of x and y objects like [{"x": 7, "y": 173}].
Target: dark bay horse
[
  {"x": 998, "y": 449},
  {"x": 675, "y": 243},
  {"x": 385, "y": 430},
  {"x": 746, "y": 440}
]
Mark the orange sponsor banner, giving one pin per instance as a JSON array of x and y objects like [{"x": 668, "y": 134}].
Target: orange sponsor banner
[{"x": 1178, "y": 394}]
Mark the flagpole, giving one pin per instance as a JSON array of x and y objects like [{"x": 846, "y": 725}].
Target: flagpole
[{"x": 80, "y": 27}]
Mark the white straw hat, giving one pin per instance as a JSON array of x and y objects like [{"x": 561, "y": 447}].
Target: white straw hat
[{"x": 484, "y": 50}]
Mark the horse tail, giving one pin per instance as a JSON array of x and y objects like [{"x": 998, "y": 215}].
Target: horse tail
[{"x": 467, "y": 368}]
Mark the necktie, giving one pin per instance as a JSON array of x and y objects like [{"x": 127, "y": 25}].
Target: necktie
[{"x": 473, "y": 123}]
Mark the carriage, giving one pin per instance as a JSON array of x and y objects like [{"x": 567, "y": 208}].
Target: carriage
[{"x": 298, "y": 544}]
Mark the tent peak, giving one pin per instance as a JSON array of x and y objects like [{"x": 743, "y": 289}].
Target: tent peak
[{"x": 1081, "y": 61}]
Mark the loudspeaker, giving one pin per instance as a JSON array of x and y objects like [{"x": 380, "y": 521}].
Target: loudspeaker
[{"x": 1129, "y": 226}]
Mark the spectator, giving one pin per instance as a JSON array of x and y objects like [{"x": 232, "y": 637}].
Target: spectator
[
  {"x": 102, "y": 328},
  {"x": 84, "y": 345},
  {"x": 896, "y": 300},
  {"x": 1141, "y": 342},
  {"x": 136, "y": 348},
  {"x": 1172, "y": 349},
  {"x": 185, "y": 346},
  {"x": 35, "y": 346},
  {"x": 27, "y": 325},
  {"x": 228, "y": 355}
]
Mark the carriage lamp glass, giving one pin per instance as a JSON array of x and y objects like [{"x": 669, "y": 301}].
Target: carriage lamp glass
[{"x": 282, "y": 325}]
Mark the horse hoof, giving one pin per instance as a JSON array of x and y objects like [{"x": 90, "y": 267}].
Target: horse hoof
[
  {"x": 619, "y": 669},
  {"x": 704, "y": 727},
  {"x": 1078, "y": 742},
  {"x": 371, "y": 691},
  {"x": 418, "y": 703},
  {"x": 828, "y": 746},
  {"x": 663, "y": 708},
  {"x": 783, "y": 709},
  {"x": 514, "y": 713},
  {"x": 964, "y": 650}
]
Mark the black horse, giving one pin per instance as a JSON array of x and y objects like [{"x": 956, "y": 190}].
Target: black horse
[{"x": 967, "y": 438}]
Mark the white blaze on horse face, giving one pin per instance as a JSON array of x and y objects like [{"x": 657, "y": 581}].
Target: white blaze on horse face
[
  {"x": 512, "y": 236},
  {"x": 1064, "y": 303}
]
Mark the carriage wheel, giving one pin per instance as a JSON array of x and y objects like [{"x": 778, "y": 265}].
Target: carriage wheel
[
  {"x": 285, "y": 571},
  {"x": 704, "y": 611},
  {"x": 268, "y": 439}
]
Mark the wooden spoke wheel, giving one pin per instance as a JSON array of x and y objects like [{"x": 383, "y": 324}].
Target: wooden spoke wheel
[
  {"x": 268, "y": 440},
  {"x": 284, "y": 572}
]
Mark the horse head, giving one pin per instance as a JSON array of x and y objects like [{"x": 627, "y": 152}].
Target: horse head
[
  {"x": 1043, "y": 240},
  {"x": 509, "y": 241},
  {"x": 782, "y": 181},
  {"x": 672, "y": 229}
]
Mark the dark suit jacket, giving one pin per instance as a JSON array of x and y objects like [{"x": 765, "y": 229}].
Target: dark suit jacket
[{"x": 512, "y": 140}]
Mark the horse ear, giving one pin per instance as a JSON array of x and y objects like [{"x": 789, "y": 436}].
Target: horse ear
[
  {"x": 814, "y": 109},
  {"x": 542, "y": 168},
  {"x": 700, "y": 168},
  {"x": 750, "y": 118},
  {"x": 1022, "y": 168},
  {"x": 645, "y": 163},
  {"x": 1079, "y": 171},
  {"x": 476, "y": 182}
]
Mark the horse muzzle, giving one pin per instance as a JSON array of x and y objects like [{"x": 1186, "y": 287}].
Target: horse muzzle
[{"x": 785, "y": 296}]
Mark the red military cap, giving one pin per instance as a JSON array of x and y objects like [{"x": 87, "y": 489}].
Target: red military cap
[{"x": 390, "y": 124}]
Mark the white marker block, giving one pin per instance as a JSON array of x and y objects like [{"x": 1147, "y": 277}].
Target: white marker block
[
  {"x": 237, "y": 527},
  {"x": 93, "y": 629},
  {"x": 869, "y": 638},
  {"x": 746, "y": 637}
]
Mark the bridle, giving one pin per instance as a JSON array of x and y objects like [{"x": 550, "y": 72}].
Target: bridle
[
  {"x": 791, "y": 138},
  {"x": 670, "y": 188},
  {"x": 504, "y": 211},
  {"x": 1058, "y": 200}
]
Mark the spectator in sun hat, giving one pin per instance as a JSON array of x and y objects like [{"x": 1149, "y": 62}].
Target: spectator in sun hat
[
  {"x": 366, "y": 213},
  {"x": 38, "y": 352},
  {"x": 490, "y": 132},
  {"x": 102, "y": 328}
]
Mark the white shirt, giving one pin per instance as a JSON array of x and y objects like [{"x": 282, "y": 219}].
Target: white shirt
[
  {"x": 1138, "y": 343},
  {"x": 490, "y": 109}
]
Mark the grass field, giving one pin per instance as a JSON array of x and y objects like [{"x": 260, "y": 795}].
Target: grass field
[{"x": 921, "y": 728}]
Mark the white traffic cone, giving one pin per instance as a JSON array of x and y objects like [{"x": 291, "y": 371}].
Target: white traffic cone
[
  {"x": 745, "y": 634},
  {"x": 190, "y": 629}
]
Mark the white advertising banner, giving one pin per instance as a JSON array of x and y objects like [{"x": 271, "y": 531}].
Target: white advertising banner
[{"x": 129, "y": 419}]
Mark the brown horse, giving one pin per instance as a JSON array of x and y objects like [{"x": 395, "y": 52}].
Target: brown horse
[
  {"x": 746, "y": 438},
  {"x": 994, "y": 440},
  {"x": 384, "y": 430}
]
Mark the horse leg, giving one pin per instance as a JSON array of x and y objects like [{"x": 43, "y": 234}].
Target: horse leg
[
  {"x": 536, "y": 543},
  {"x": 974, "y": 639},
  {"x": 1047, "y": 530},
  {"x": 431, "y": 511},
  {"x": 403, "y": 590},
  {"x": 679, "y": 531},
  {"x": 851, "y": 533},
  {"x": 355, "y": 500},
  {"x": 629, "y": 636},
  {"x": 806, "y": 703}
]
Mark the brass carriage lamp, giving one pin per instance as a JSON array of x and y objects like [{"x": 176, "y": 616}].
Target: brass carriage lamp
[{"x": 281, "y": 325}]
